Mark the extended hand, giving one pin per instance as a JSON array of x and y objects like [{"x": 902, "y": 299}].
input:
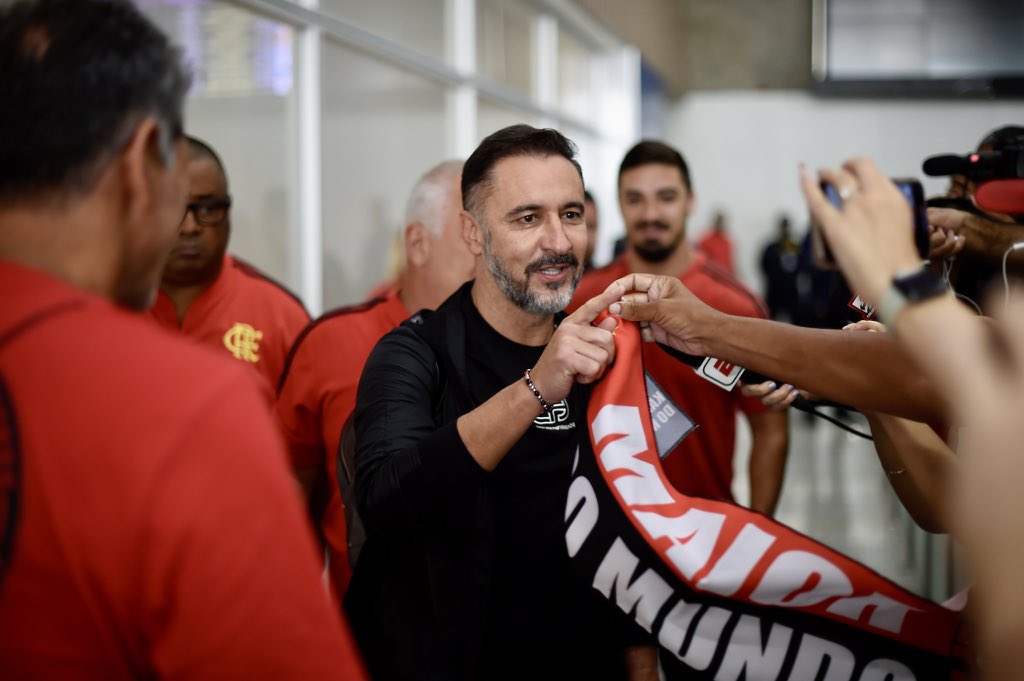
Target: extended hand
[
  {"x": 578, "y": 351},
  {"x": 776, "y": 398},
  {"x": 675, "y": 316},
  {"x": 974, "y": 234},
  {"x": 872, "y": 234}
]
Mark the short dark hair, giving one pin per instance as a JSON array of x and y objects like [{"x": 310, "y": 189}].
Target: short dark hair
[
  {"x": 197, "y": 147},
  {"x": 515, "y": 140},
  {"x": 76, "y": 78},
  {"x": 650, "y": 151}
]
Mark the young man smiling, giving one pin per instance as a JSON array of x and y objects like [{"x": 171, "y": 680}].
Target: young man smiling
[{"x": 656, "y": 198}]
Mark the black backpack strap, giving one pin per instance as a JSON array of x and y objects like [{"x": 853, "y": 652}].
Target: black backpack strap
[
  {"x": 10, "y": 475},
  {"x": 356, "y": 531},
  {"x": 10, "y": 441}
]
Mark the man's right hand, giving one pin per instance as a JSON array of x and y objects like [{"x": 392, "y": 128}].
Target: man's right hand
[
  {"x": 579, "y": 351},
  {"x": 675, "y": 316}
]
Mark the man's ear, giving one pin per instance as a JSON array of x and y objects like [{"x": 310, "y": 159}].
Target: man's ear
[
  {"x": 472, "y": 233},
  {"x": 141, "y": 166},
  {"x": 417, "y": 244},
  {"x": 691, "y": 203}
]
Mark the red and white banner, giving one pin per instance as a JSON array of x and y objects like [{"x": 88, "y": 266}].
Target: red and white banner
[{"x": 732, "y": 593}]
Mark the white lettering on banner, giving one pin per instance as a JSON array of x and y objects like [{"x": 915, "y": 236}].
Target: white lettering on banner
[
  {"x": 706, "y": 638},
  {"x": 648, "y": 594},
  {"x": 798, "y": 579},
  {"x": 582, "y": 500},
  {"x": 886, "y": 613},
  {"x": 815, "y": 652},
  {"x": 677, "y": 623},
  {"x": 886, "y": 670},
  {"x": 746, "y": 658},
  {"x": 693, "y": 536},
  {"x": 742, "y": 653},
  {"x": 644, "y": 486},
  {"x": 736, "y": 564},
  {"x": 794, "y": 579}
]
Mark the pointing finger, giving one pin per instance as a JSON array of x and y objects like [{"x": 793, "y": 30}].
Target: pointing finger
[{"x": 593, "y": 308}]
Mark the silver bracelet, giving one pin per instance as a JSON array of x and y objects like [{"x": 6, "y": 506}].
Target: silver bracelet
[{"x": 544, "y": 406}]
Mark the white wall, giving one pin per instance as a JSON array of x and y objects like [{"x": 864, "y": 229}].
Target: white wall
[{"x": 743, "y": 149}]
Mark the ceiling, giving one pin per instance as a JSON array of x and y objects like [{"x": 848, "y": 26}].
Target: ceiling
[{"x": 717, "y": 44}]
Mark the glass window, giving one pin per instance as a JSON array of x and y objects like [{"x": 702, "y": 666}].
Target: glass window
[
  {"x": 505, "y": 43},
  {"x": 419, "y": 25},
  {"x": 230, "y": 50},
  {"x": 492, "y": 117},
  {"x": 574, "y": 79},
  {"x": 382, "y": 129},
  {"x": 240, "y": 104}
]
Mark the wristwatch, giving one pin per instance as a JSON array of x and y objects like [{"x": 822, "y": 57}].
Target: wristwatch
[{"x": 907, "y": 288}]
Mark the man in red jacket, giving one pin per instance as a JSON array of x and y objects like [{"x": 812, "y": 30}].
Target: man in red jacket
[
  {"x": 656, "y": 198},
  {"x": 215, "y": 298},
  {"x": 148, "y": 525},
  {"x": 318, "y": 389}
]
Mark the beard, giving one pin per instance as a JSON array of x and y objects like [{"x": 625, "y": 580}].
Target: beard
[
  {"x": 654, "y": 251},
  {"x": 518, "y": 290}
]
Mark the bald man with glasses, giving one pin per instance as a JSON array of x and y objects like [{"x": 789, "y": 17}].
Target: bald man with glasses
[{"x": 214, "y": 297}]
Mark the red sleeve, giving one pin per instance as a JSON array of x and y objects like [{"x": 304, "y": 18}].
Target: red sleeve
[
  {"x": 229, "y": 580},
  {"x": 298, "y": 409},
  {"x": 318, "y": 391}
]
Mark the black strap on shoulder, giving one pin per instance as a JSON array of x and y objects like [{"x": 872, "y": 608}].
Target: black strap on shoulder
[
  {"x": 356, "y": 531},
  {"x": 10, "y": 441},
  {"x": 10, "y": 475}
]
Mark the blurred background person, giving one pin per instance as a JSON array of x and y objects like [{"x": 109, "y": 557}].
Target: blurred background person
[
  {"x": 656, "y": 199},
  {"x": 317, "y": 392},
  {"x": 780, "y": 261},
  {"x": 717, "y": 245}
]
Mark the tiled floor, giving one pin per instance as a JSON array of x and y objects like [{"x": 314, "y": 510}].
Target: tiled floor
[{"x": 836, "y": 492}]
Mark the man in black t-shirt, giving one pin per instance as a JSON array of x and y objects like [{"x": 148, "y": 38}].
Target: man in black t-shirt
[{"x": 467, "y": 422}]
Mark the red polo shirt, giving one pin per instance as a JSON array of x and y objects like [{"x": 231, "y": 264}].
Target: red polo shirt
[
  {"x": 158, "y": 533},
  {"x": 701, "y": 465},
  {"x": 317, "y": 395},
  {"x": 245, "y": 314}
]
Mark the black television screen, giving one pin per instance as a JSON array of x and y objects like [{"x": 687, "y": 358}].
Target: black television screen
[{"x": 947, "y": 47}]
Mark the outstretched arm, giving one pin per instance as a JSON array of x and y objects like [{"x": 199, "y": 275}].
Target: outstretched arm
[
  {"x": 982, "y": 375},
  {"x": 866, "y": 371}
]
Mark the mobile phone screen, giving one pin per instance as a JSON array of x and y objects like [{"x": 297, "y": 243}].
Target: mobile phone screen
[{"x": 912, "y": 192}]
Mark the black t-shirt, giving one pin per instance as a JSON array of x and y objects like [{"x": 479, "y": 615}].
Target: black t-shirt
[{"x": 544, "y": 621}]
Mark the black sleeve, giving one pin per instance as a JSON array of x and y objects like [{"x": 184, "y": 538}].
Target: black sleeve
[{"x": 409, "y": 469}]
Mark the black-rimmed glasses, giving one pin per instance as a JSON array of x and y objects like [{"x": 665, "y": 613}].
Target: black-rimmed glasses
[{"x": 208, "y": 213}]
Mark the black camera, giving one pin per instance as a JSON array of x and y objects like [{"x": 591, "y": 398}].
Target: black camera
[
  {"x": 998, "y": 175},
  {"x": 980, "y": 167}
]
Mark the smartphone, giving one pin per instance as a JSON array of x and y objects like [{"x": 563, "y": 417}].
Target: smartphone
[{"x": 912, "y": 192}]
